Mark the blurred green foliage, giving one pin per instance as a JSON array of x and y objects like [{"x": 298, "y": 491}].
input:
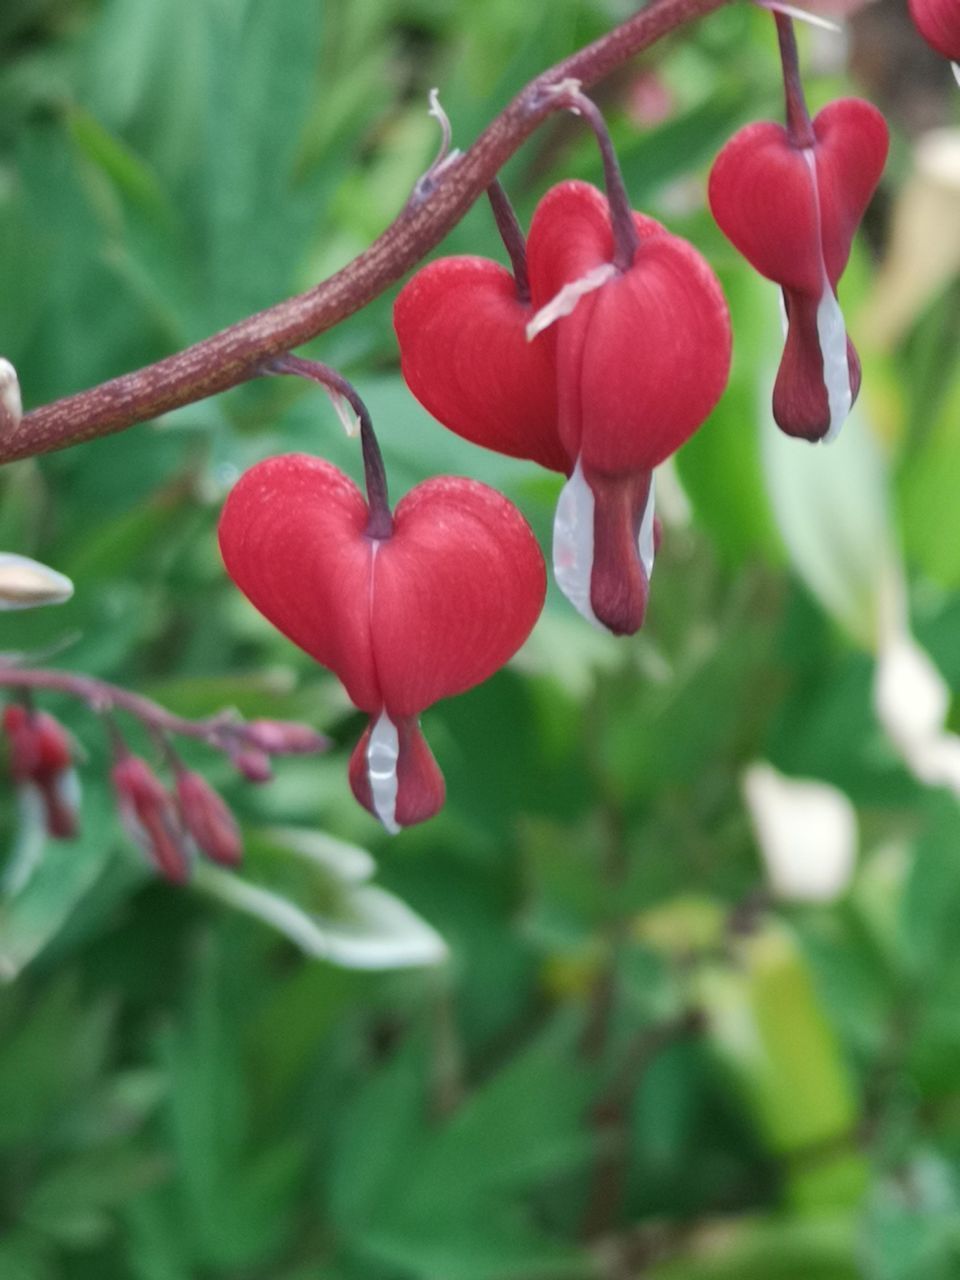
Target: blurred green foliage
[{"x": 634, "y": 1061}]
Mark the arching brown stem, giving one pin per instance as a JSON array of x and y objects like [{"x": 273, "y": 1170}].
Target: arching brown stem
[{"x": 233, "y": 355}]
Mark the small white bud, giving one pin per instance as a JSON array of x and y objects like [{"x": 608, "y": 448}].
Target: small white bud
[
  {"x": 11, "y": 406},
  {"x": 25, "y": 583}
]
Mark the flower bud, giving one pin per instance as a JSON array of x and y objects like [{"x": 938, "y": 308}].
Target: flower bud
[
  {"x": 207, "y": 819},
  {"x": 252, "y": 763},
  {"x": 25, "y": 583},
  {"x": 149, "y": 815},
  {"x": 41, "y": 758},
  {"x": 284, "y": 737}
]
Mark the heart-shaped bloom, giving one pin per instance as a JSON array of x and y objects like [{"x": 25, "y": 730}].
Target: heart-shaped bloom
[
  {"x": 404, "y": 620},
  {"x": 938, "y": 21},
  {"x": 792, "y": 212},
  {"x": 623, "y": 366}
]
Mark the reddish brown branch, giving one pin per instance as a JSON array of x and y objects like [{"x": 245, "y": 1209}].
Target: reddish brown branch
[
  {"x": 225, "y": 731},
  {"x": 233, "y": 355}
]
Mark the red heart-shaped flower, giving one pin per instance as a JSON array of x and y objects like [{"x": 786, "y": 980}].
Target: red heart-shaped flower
[
  {"x": 641, "y": 360},
  {"x": 404, "y": 621},
  {"x": 789, "y": 222}
]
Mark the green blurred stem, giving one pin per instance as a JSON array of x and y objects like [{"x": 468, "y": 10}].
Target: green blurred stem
[{"x": 236, "y": 354}]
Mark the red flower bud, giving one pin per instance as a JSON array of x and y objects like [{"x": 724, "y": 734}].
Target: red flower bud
[
  {"x": 629, "y": 367},
  {"x": 207, "y": 819},
  {"x": 792, "y": 212},
  {"x": 938, "y": 21},
  {"x": 405, "y": 620},
  {"x": 253, "y": 763},
  {"x": 284, "y": 737},
  {"x": 41, "y": 757},
  {"x": 149, "y": 814}
]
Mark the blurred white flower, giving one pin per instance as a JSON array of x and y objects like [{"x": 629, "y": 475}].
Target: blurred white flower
[
  {"x": 911, "y": 700},
  {"x": 806, "y": 831}
]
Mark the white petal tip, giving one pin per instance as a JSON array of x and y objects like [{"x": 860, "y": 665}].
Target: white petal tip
[
  {"x": 11, "y": 404},
  {"x": 802, "y": 15},
  {"x": 344, "y": 410}
]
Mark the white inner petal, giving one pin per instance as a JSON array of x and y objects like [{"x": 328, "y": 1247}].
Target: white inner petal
[
  {"x": 383, "y": 751},
  {"x": 956, "y": 71},
  {"x": 645, "y": 542},
  {"x": 831, "y": 333},
  {"x": 784, "y": 318},
  {"x": 568, "y": 297},
  {"x": 573, "y": 544}
]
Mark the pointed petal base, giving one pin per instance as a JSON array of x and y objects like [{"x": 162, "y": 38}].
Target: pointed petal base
[
  {"x": 604, "y": 542},
  {"x": 393, "y": 773},
  {"x": 819, "y": 375}
]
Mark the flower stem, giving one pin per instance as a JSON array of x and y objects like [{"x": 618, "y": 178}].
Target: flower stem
[
  {"x": 626, "y": 239},
  {"x": 512, "y": 237},
  {"x": 799, "y": 125},
  {"x": 380, "y": 523},
  {"x": 103, "y": 698}
]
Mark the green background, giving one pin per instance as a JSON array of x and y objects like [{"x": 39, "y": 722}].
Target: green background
[{"x": 635, "y": 1061}]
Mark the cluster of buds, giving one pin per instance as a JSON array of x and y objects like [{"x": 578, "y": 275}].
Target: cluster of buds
[
  {"x": 41, "y": 762},
  {"x": 170, "y": 824}
]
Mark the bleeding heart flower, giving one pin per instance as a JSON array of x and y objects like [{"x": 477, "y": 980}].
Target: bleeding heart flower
[
  {"x": 792, "y": 212},
  {"x": 938, "y": 21},
  {"x": 41, "y": 758},
  {"x": 601, "y": 375},
  {"x": 424, "y": 612},
  {"x": 641, "y": 361}
]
